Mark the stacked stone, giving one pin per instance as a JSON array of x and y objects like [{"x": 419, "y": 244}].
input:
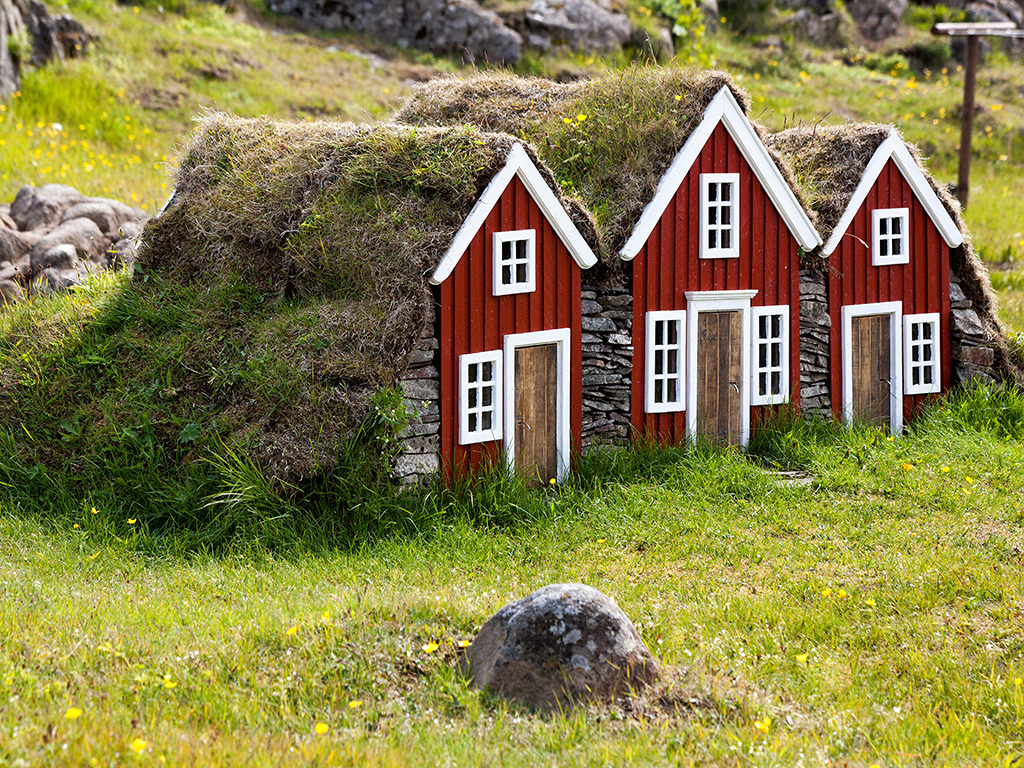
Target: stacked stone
[
  {"x": 607, "y": 361},
  {"x": 815, "y": 330},
  {"x": 973, "y": 353},
  {"x": 421, "y": 384}
]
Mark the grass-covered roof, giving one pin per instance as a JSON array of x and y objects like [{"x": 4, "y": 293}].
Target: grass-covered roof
[{"x": 608, "y": 140}]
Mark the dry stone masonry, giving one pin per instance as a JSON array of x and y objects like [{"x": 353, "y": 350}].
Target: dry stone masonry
[
  {"x": 607, "y": 361},
  {"x": 53, "y": 237},
  {"x": 421, "y": 385},
  {"x": 815, "y": 331},
  {"x": 973, "y": 353}
]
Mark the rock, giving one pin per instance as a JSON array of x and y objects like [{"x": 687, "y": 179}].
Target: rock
[
  {"x": 6, "y": 222},
  {"x": 581, "y": 25},
  {"x": 877, "y": 19},
  {"x": 14, "y": 244},
  {"x": 12, "y": 32},
  {"x": 83, "y": 234},
  {"x": 102, "y": 215},
  {"x": 562, "y": 644},
  {"x": 421, "y": 389},
  {"x": 44, "y": 207},
  {"x": 818, "y": 29},
  {"x": 122, "y": 252},
  {"x": 967, "y": 323},
  {"x": 128, "y": 230},
  {"x": 53, "y": 38},
  {"x": 63, "y": 256},
  {"x": 441, "y": 26},
  {"x": 10, "y": 292},
  {"x": 53, "y": 280},
  {"x": 411, "y": 465}
]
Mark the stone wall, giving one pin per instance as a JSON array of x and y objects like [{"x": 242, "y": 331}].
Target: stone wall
[
  {"x": 421, "y": 383},
  {"x": 815, "y": 330},
  {"x": 973, "y": 352},
  {"x": 607, "y": 360}
]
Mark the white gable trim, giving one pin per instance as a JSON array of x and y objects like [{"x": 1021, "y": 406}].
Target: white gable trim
[
  {"x": 517, "y": 164},
  {"x": 893, "y": 147},
  {"x": 723, "y": 108}
]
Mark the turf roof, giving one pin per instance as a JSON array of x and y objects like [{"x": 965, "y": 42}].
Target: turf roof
[{"x": 608, "y": 140}]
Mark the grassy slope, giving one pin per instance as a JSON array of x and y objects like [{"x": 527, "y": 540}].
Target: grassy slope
[{"x": 873, "y": 616}]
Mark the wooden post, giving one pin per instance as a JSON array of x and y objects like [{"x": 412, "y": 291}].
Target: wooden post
[
  {"x": 963, "y": 181},
  {"x": 972, "y": 31}
]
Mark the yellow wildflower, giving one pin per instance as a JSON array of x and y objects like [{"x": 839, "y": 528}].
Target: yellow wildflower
[
  {"x": 763, "y": 725},
  {"x": 430, "y": 647},
  {"x": 292, "y": 630},
  {"x": 320, "y": 728},
  {"x": 138, "y": 745},
  {"x": 464, "y": 643},
  {"x": 73, "y": 714},
  {"x": 841, "y": 593},
  {"x": 870, "y": 601},
  {"x": 801, "y": 658},
  {"x": 826, "y": 591},
  {"x": 944, "y": 469},
  {"x": 131, "y": 521},
  {"x": 355, "y": 704}
]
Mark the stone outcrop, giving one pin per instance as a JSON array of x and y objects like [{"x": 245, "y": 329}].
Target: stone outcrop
[
  {"x": 421, "y": 385},
  {"x": 561, "y": 645},
  {"x": 466, "y": 28},
  {"x": 12, "y": 31},
  {"x": 877, "y": 19},
  {"x": 815, "y": 332},
  {"x": 53, "y": 237},
  {"x": 29, "y": 35},
  {"x": 607, "y": 361}
]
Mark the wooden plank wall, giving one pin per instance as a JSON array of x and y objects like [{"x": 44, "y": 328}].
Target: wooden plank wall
[
  {"x": 472, "y": 319},
  {"x": 922, "y": 284},
  {"x": 669, "y": 264}
]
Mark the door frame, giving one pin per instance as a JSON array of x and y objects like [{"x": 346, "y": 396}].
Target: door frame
[
  {"x": 895, "y": 311},
  {"x": 561, "y": 337},
  {"x": 718, "y": 301}
]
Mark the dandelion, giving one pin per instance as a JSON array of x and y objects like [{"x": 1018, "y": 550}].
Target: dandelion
[
  {"x": 169, "y": 683},
  {"x": 355, "y": 704},
  {"x": 907, "y": 467},
  {"x": 581, "y": 117},
  {"x": 73, "y": 714},
  {"x": 139, "y": 745},
  {"x": 566, "y": 120},
  {"x": 944, "y": 469},
  {"x": 325, "y": 617},
  {"x": 969, "y": 479},
  {"x": 292, "y": 630},
  {"x": 430, "y": 647},
  {"x": 841, "y": 593},
  {"x": 131, "y": 521},
  {"x": 553, "y": 481},
  {"x": 826, "y": 591},
  {"x": 763, "y": 725},
  {"x": 870, "y": 601},
  {"x": 463, "y": 643},
  {"x": 996, "y": 107},
  {"x": 600, "y": 541},
  {"x": 678, "y": 97},
  {"x": 801, "y": 658},
  {"x": 1018, "y": 682},
  {"x": 320, "y": 728}
]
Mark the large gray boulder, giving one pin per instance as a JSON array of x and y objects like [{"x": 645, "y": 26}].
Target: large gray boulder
[
  {"x": 81, "y": 234},
  {"x": 563, "y": 644},
  {"x": 582, "y": 25},
  {"x": 877, "y": 19},
  {"x": 42, "y": 207},
  {"x": 12, "y": 32}
]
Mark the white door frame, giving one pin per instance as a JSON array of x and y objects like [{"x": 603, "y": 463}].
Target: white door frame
[
  {"x": 561, "y": 338},
  {"x": 895, "y": 311},
  {"x": 717, "y": 301}
]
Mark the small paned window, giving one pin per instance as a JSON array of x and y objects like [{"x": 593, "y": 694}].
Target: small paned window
[
  {"x": 515, "y": 262},
  {"x": 890, "y": 240},
  {"x": 719, "y": 215},
  {"x": 480, "y": 410},
  {"x": 665, "y": 348},
  {"x": 770, "y": 364},
  {"x": 921, "y": 354}
]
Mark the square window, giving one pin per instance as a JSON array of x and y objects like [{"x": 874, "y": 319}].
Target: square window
[
  {"x": 770, "y": 361},
  {"x": 921, "y": 354},
  {"x": 514, "y": 255},
  {"x": 480, "y": 398},
  {"x": 889, "y": 236},
  {"x": 665, "y": 334},
  {"x": 719, "y": 214}
]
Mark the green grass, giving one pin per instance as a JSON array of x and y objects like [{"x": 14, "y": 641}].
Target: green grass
[{"x": 873, "y": 614}]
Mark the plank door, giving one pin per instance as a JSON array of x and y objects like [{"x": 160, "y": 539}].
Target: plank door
[
  {"x": 719, "y": 375},
  {"x": 871, "y": 364},
  {"x": 536, "y": 430}
]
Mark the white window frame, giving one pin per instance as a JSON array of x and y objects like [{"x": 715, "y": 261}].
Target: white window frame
[
  {"x": 733, "y": 251},
  {"x": 756, "y": 398},
  {"x": 717, "y": 301},
  {"x": 561, "y": 337},
  {"x": 909, "y": 388},
  {"x": 512, "y": 236},
  {"x": 467, "y": 436},
  {"x": 895, "y": 311},
  {"x": 650, "y": 348},
  {"x": 877, "y": 215}
]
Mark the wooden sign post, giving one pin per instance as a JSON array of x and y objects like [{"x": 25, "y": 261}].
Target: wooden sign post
[{"x": 972, "y": 32}]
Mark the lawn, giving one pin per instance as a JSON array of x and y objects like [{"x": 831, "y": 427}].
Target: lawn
[{"x": 869, "y": 614}]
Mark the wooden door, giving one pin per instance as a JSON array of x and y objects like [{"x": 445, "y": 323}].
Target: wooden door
[
  {"x": 719, "y": 375},
  {"x": 871, "y": 364},
  {"x": 536, "y": 416}
]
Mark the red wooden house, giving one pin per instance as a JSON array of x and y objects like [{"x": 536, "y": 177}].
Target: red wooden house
[
  {"x": 508, "y": 329},
  {"x": 889, "y": 295},
  {"x": 715, "y": 285}
]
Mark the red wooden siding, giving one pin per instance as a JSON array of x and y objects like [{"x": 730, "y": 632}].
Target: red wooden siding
[
  {"x": 922, "y": 284},
  {"x": 669, "y": 265},
  {"x": 473, "y": 319}
]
